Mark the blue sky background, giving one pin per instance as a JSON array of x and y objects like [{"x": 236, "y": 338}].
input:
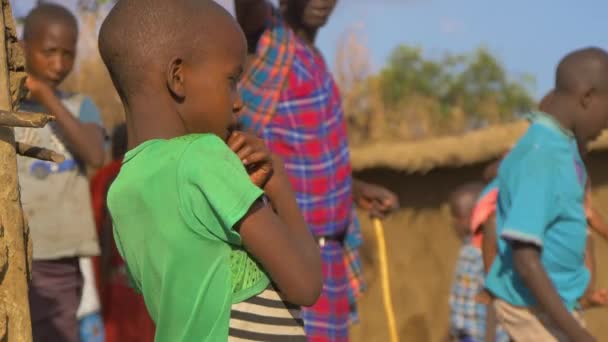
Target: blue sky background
[{"x": 528, "y": 36}]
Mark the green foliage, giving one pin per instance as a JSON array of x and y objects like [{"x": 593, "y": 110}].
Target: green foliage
[
  {"x": 471, "y": 82},
  {"x": 421, "y": 97}
]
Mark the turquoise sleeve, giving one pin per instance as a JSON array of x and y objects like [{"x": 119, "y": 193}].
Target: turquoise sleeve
[
  {"x": 533, "y": 201},
  {"x": 217, "y": 190}
]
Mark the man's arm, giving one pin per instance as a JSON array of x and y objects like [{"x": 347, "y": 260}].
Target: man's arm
[
  {"x": 526, "y": 258},
  {"x": 85, "y": 140},
  {"x": 251, "y": 16}
]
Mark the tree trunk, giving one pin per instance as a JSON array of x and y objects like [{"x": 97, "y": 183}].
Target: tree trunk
[{"x": 15, "y": 247}]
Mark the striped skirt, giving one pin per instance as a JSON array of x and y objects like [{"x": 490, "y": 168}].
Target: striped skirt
[{"x": 266, "y": 317}]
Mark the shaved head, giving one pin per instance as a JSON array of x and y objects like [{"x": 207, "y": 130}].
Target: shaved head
[
  {"x": 581, "y": 71},
  {"x": 43, "y": 16},
  {"x": 579, "y": 100},
  {"x": 139, "y": 38}
]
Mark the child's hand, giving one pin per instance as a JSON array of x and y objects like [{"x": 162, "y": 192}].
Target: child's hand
[
  {"x": 38, "y": 89},
  {"x": 598, "y": 298},
  {"x": 484, "y": 297},
  {"x": 255, "y": 156}
]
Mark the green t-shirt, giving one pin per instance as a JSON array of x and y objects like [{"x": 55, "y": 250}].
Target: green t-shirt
[{"x": 174, "y": 205}]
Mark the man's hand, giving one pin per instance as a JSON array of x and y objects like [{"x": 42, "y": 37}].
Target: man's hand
[
  {"x": 255, "y": 156},
  {"x": 375, "y": 199}
]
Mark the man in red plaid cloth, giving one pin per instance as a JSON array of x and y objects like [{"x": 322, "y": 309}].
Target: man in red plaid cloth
[{"x": 291, "y": 99}]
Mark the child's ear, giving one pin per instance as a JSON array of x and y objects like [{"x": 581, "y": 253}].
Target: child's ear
[
  {"x": 587, "y": 98},
  {"x": 175, "y": 77}
]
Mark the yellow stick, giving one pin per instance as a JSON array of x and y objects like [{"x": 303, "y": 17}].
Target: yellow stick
[{"x": 386, "y": 286}]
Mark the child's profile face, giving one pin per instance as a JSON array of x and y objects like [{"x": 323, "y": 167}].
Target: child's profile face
[
  {"x": 595, "y": 119},
  {"x": 50, "y": 53},
  {"x": 210, "y": 84}
]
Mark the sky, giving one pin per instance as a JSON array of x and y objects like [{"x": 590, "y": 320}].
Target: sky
[{"x": 527, "y": 36}]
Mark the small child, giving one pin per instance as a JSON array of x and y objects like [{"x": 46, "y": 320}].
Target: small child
[
  {"x": 468, "y": 317},
  {"x": 190, "y": 219},
  {"x": 539, "y": 274},
  {"x": 55, "y": 197}
]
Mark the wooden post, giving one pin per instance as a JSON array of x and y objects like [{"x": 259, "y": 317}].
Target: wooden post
[{"x": 15, "y": 247}]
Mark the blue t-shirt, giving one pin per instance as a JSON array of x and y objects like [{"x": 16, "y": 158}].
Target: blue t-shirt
[{"x": 542, "y": 188}]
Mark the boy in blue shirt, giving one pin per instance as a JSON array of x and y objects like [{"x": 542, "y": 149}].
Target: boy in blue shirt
[{"x": 539, "y": 274}]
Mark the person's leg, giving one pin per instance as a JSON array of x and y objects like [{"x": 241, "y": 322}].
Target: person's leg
[
  {"x": 328, "y": 319},
  {"x": 55, "y": 294}
]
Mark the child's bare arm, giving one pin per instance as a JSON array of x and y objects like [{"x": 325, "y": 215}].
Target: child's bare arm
[
  {"x": 284, "y": 246},
  {"x": 491, "y": 322},
  {"x": 526, "y": 258},
  {"x": 597, "y": 222},
  {"x": 280, "y": 241},
  {"x": 85, "y": 140},
  {"x": 592, "y": 297},
  {"x": 590, "y": 262}
]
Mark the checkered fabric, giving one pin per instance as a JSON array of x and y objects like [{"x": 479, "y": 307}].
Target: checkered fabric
[
  {"x": 291, "y": 100},
  {"x": 467, "y": 317}
]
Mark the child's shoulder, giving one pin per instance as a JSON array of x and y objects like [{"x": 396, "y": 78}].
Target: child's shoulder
[
  {"x": 203, "y": 146},
  {"x": 533, "y": 151},
  {"x": 202, "y": 151}
]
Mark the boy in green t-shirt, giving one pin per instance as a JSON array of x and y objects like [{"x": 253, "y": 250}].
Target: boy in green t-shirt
[{"x": 187, "y": 206}]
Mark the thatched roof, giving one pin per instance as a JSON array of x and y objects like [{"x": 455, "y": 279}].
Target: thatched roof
[{"x": 454, "y": 151}]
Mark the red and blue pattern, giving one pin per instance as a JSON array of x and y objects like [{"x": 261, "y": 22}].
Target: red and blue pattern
[
  {"x": 328, "y": 319},
  {"x": 306, "y": 127}
]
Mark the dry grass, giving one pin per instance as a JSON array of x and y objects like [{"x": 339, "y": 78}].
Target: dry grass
[{"x": 422, "y": 156}]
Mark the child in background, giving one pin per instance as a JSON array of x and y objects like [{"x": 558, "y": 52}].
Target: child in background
[
  {"x": 540, "y": 208},
  {"x": 124, "y": 311},
  {"x": 190, "y": 218},
  {"x": 55, "y": 197},
  {"x": 467, "y": 316}
]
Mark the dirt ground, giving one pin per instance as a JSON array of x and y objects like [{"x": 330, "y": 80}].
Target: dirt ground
[{"x": 422, "y": 252}]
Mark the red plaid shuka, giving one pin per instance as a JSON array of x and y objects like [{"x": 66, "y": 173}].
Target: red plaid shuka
[{"x": 291, "y": 100}]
